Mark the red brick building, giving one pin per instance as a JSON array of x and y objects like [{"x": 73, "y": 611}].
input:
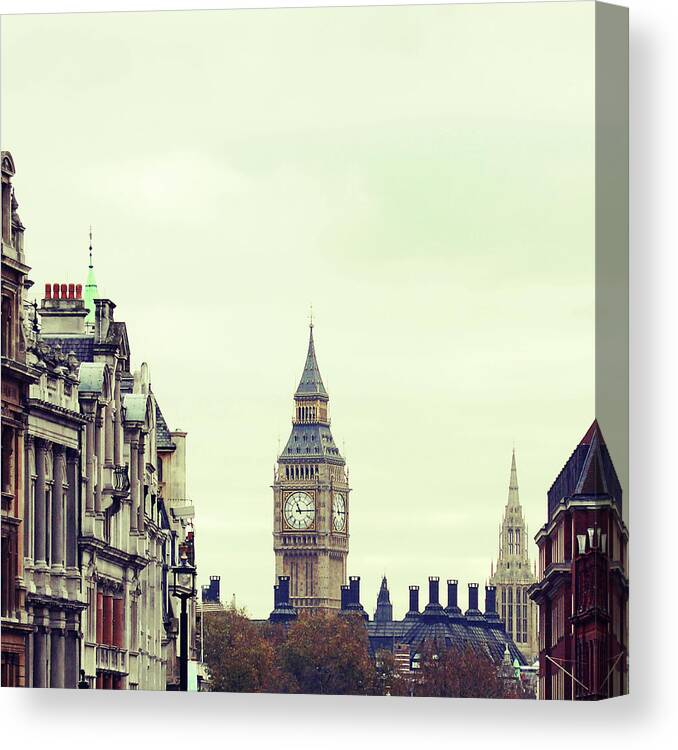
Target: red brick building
[{"x": 582, "y": 592}]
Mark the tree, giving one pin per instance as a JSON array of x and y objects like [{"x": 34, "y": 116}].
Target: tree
[
  {"x": 239, "y": 655},
  {"x": 459, "y": 673},
  {"x": 327, "y": 653}
]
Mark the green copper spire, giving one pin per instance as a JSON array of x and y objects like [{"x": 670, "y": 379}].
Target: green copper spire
[{"x": 91, "y": 291}]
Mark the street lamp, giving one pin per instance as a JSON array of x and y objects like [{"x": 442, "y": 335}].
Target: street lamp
[{"x": 183, "y": 587}]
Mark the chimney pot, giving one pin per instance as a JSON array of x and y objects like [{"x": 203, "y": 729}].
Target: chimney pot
[
  {"x": 78, "y": 291},
  {"x": 48, "y": 291},
  {"x": 71, "y": 291},
  {"x": 55, "y": 291},
  {"x": 64, "y": 291}
]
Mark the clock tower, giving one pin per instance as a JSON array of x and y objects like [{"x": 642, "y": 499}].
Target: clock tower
[{"x": 311, "y": 500}]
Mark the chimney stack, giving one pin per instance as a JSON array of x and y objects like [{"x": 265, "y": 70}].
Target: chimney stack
[
  {"x": 284, "y": 589},
  {"x": 63, "y": 311},
  {"x": 345, "y": 597},
  {"x": 283, "y": 610},
  {"x": 490, "y": 600},
  {"x": 473, "y": 597},
  {"x": 433, "y": 590},
  {"x": 354, "y": 585},
  {"x": 414, "y": 602}
]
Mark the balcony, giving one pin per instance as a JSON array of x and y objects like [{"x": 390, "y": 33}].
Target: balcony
[
  {"x": 112, "y": 659},
  {"x": 121, "y": 483}
]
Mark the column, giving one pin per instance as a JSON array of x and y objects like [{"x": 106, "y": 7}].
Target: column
[
  {"x": 108, "y": 619},
  {"x": 117, "y": 425},
  {"x": 99, "y": 452},
  {"x": 72, "y": 521},
  {"x": 89, "y": 465},
  {"x": 118, "y": 621},
  {"x": 72, "y": 653},
  {"x": 134, "y": 484},
  {"x": 28, "y": 445},
  {"x": 57, "y": 658},
  {"x": 40, "y": 657},
  {"x": 57, "y": 506},
  {"x": 40, "y": 510},
  {"x": 108, "y": 433},
  {"x": 100, "y": 617},
  {"x": 141, "y": 472}
]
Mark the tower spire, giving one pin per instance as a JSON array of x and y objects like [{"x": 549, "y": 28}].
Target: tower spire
[
  {"x": 91, "y": 291},
  {"x": 311, "y": 383},
  {"x": 513, "y": 499}
]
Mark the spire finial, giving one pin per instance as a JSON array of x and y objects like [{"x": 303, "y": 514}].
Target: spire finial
[
  {"x": 90, "y": 246},
  {"x": 310, "y": 317}
]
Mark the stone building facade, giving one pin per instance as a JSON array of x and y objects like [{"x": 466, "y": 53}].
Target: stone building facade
[
  {"x": 311, "y": 500},
  {"x": 94, "y": 501},
  {"x": 514, "y": 574},
  {"x": 52, "y": 515},
  {"x": 17, "y": 376}
]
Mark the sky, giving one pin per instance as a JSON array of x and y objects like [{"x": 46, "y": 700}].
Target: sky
[{"x": 422, "y": 176}]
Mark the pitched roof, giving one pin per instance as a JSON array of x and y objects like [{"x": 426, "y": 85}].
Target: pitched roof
[
  {"x": 163, "y": 437},
  {"x": 81, "y": 346},
  {"x": 311, "y": 442},
  {"x": 588, "y": 471},
  {"x": 311, "y": 383}
]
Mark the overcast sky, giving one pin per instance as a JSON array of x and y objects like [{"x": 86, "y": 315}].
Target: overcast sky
[{"x": 422, "y": 175}]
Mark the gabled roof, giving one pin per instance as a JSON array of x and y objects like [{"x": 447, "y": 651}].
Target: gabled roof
[{"x": 311, "y": 383}]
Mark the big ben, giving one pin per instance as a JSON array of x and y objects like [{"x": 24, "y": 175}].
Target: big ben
[{"x": 311, "y": 500}]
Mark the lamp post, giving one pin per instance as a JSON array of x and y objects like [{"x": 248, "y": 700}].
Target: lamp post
[{"x": 183, "y": 588}]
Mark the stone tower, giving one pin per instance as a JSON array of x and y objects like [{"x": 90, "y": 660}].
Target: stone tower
[
  {"x": 311, "y": 500},
  {"x": 514, "y": 575}
]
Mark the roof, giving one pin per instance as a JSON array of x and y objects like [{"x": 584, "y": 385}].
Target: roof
[
  {"x": 483, "y": 634},
  {"x": 81, "y": 346},
  {"x": 311, "y": 383},
  {"x": 92, "y": 377},
  {"x": 163, "y": 437},
  {"x": 134, "y": 405},
  {"x": 588, "y": 471},
  {"x": 311, "y": 441}
]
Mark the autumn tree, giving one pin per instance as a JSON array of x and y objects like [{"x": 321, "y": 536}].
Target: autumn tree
[
  {"x": 327, "y": 653},
  {"x": 241, "y": 655},
  {"x": 456, "y": 672}
]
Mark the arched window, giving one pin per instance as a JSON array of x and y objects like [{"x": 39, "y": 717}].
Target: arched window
[
  {"x": 517, "y": 541},
  {"x": 510, "y": 541}
]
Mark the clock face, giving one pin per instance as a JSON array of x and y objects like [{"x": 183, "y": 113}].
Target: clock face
[
  {"x": 299, "y": 510},
  {"x": 338, "y": 512}
]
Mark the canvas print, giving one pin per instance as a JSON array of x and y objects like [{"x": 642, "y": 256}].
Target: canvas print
[{"x": 314, "y": 351}]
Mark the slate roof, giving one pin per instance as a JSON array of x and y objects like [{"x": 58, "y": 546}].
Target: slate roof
[
  {"x": 485, "y": 633},
  {"x": 311, "y": 383},
  {"x": 162, "y": 432},
  {"x": 311, "y": 441},
  {"x": 588, "y": 471},
  {"x": 81, "y": 346}
]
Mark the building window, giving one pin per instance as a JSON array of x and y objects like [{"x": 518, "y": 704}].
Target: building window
[
  {"x": 510, "y": 541},
  {"x": 517, "y": 541}
]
